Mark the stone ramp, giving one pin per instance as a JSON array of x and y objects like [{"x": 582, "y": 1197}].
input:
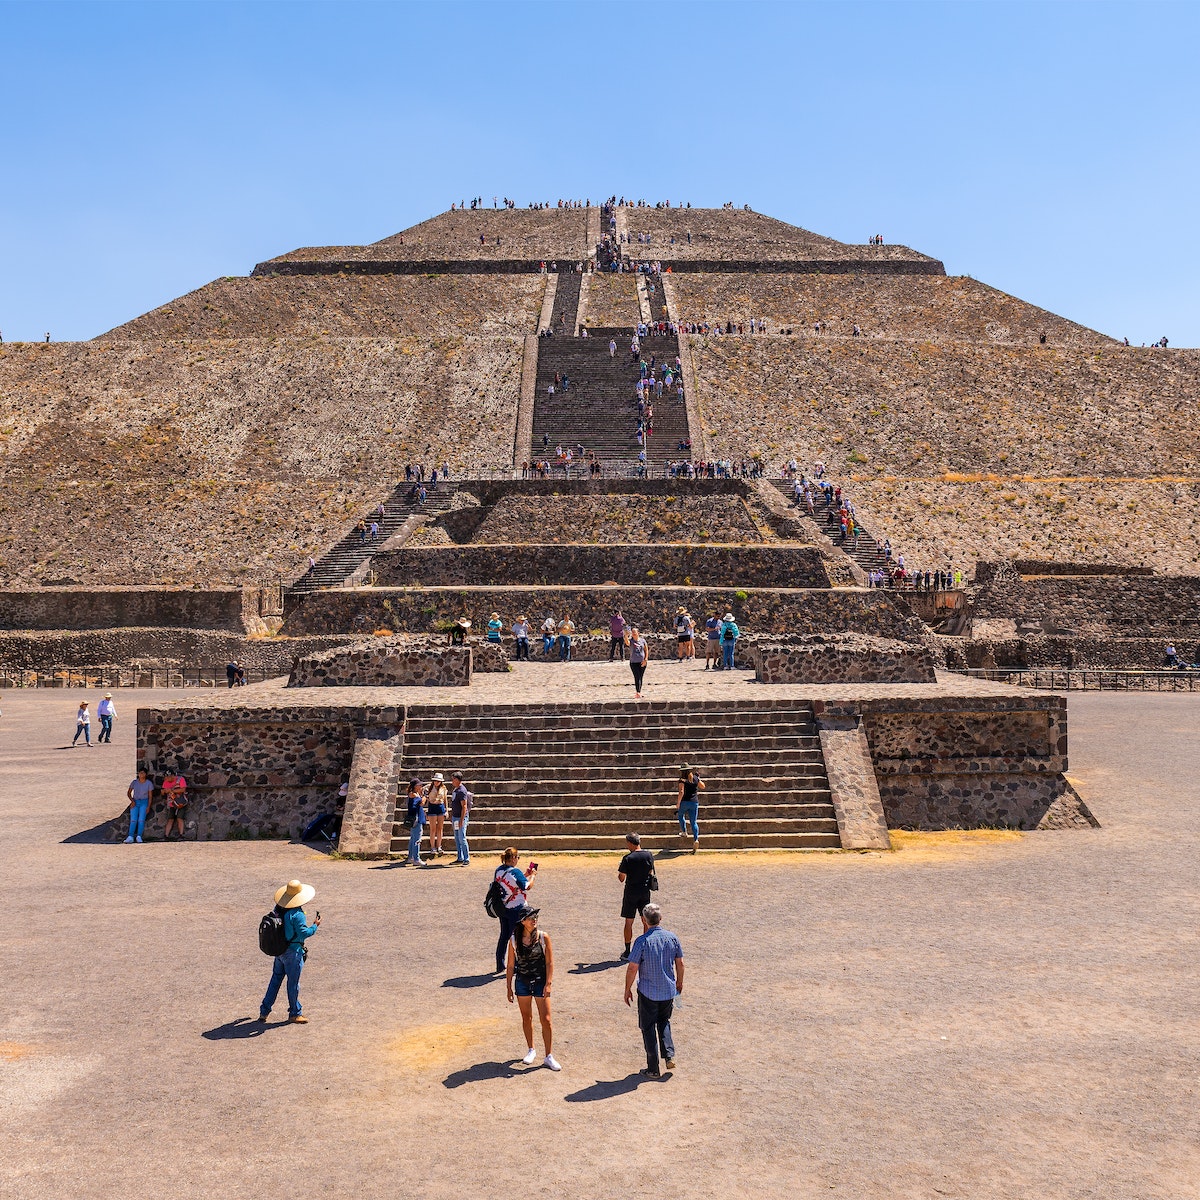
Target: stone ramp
[{"x": 579, "y": 777}]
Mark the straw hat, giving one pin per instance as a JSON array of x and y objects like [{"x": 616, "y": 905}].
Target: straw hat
[
  {"x": 295, "y": 894},
  {"x": 438, "y": 777},
  {"x": 495, "y": 616},
  {"x": 464, "y": 622},
  {"x": 108, "y": 695},
  {"x": 522, "y": 617}
]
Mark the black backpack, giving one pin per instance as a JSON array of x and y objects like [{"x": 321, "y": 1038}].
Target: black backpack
[
  {"x": 272, "y": 937},
  {"x": 493, "y": 902}
]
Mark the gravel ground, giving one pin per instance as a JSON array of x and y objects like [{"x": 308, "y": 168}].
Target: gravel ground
[{"x": 974, "y": 1015}]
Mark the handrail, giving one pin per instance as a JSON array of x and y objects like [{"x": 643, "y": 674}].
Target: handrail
[{"x": 1088, "y": 679}]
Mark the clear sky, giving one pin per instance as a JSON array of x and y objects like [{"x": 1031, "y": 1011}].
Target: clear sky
[{"x": 1048, "y": 149}]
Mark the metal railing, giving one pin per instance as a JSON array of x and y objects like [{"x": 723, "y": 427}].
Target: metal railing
[
  {"x": 127, "y": 677},
  {"x": 1088, "y": 679}
]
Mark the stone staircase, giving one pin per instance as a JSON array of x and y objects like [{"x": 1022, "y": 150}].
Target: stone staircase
[
  {"x": 564, "y": 316},
  {"x": 561, "y": 777},
  {"x": 868, "y": 553},
  {"x": 345, "y": 557},
  {"x": 600, "y": 409}
]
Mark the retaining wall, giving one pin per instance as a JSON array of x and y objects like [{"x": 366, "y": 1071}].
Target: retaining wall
[
  {"x": 382, "y": 665},
  {"x": 662, "y": 565},
  {"x": 232, "y": 609},
  {"x": 847, "y": 659}
]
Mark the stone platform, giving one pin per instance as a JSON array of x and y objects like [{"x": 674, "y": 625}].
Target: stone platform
[{"x": 263, "y": 760}]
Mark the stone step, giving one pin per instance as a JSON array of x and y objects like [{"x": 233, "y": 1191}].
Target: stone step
[
  {"x": 676, "y": 742},
  {"x": 583, "y": 761},
  {"x": 634, "y": 812},
  {"x": 552, "y": 841},
  {"x": 799, "y": 788},
  {"x": 651, "y": 714},
  {"x": 613, "y": 829}
]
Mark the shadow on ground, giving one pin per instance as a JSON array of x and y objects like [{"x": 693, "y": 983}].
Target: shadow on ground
[
  {"x": 607, "y": 1089},
  {"x": 482, "y": 1072},
  {"x": 240, "y": 1028},
  {"x": 470, "y": 981}
]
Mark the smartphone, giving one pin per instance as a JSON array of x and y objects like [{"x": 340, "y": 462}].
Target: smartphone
[{"x": 532, "y": 866}]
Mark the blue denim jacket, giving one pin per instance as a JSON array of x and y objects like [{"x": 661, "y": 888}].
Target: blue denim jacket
[{"x": 296, "y": 926}]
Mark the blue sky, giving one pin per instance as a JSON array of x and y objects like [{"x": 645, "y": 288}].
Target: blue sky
[{"x": 1047, "y": 149}]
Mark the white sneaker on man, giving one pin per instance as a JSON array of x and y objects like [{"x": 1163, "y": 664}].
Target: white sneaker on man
[
  {"x": 552, "y": 1063},
  {"x": 530, "y": 1058}
]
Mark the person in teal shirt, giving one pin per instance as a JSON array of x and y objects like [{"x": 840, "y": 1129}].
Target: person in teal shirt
[
  {"x": 729, "y": 636},
  {"x": 290, "y": 899},
  {"x": 494, "y": 627}
]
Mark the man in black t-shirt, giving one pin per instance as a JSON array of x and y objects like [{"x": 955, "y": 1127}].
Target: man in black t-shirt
[{"x": 635, "y": 872}]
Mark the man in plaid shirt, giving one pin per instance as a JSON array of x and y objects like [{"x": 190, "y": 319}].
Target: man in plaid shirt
[{"x": 656, "y": 962}]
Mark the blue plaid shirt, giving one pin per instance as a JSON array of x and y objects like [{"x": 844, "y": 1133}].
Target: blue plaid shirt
[{"x": 655, "y": 953}]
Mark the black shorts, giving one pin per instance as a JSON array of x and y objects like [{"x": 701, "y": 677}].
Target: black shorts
[{"x": 632, "y": 904}]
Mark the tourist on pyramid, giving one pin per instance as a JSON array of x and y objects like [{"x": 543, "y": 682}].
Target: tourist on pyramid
[
  {"x": 414, "y": 818},
  {"x": 687, "y": 803},
  {"x": 548, "y": 629},
  {"x": 616, "y": 636},
  {"x": 460, "y": 816},
  {"x": 138, "y": 794},
  {"x": 529, "y": 973},
  {"x": 712, "y": 638},
  {"x": 520, "y": 629},
  {"x": 106, "y": 710},
  {"x": 436, "y": 800},
  {"x": 83, "y": 724},
  {"x": 494, "y": 626},
  {"x": 566, "y": 627},
  {"x": 729, "y": 636},
  {"x": 513, "y": 885},
  {"x": 639, "y": 654}
]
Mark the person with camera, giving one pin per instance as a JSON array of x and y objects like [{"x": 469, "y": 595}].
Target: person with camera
[
  {"x": 514, "y": 885},
  {"x": 687, "y": 803},
  {"x": 290, "y": 900},
  {"x": 636, "y": 872}
]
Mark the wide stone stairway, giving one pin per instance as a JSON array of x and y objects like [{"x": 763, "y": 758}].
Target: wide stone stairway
[
  {"x": 599, "y": 411},
  {"x": 868, "y": 553},
  {"x": 579, "y": 777}
]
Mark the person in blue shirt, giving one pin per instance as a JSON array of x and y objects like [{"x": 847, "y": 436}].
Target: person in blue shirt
[
  {"x": 290, "y": 900},
  {"x": 656, "y": 963},
  {"x": 729, "y": 636}
]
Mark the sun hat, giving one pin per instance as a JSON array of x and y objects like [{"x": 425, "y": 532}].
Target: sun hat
[
  {"x": 680, "y": 609},
  {"x": 495, "y": 616},
  {"x": 464, "y": 622},
  {"x": 526, "y": 911},
  {"x": 727, "y": 617},
  {"x": 438, "y": 777},
  {"x": 294, "y": 894},
  {"x": 108, "y": 695}
]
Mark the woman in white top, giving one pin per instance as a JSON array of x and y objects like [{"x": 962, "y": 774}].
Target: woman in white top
[{"x": 83, "y": 724}]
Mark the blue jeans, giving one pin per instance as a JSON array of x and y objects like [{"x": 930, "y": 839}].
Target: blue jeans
[
  {"x": 105, "y": 729},
  {"x": 564, "y": 648},
  {"x": 654, "y": 1017},
  {"x": 137, "y": 817},
  {"x": 689, "y": 810},
  {"x": 547, "y": 643},
  {"x": 86, "y": 730},
  {"x": 414, "y": 842},
  {"x": 727, "y": 650},
  {"x": 289, "y": 963},
  {"x": 508, "y": 923},
  {"x": 460, "y": 840}
]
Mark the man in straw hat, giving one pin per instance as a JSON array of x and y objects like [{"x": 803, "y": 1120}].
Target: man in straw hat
[
  {"x": 290, "y": 901},
  {"x": 106, "y": 710}
]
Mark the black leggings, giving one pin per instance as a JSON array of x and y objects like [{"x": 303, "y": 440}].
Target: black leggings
[
  {"x": 508, "y": 922},
  {"x": 638, "y": 669}
]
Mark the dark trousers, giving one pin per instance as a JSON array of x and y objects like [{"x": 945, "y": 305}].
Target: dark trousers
[
  {"x": 508, "y": 923},
  {"x": 616, "y": 645},
  {"x": 105, "y": 729},
  {"x": 654, "y": 1017},
  {"x": 638, "y": 669},
  {"x": 522, "y": 649}
]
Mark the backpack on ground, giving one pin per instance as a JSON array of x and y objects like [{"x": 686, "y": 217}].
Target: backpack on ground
[
  {"x": 493, "y": 902},
  {"x": 272, "y": 936}
]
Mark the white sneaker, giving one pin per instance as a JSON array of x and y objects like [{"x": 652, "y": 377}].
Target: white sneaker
[
  {"x": 129, "y": 841},
  {"x": 552, "y": 1063},
  {"x": 139, "y": 839},
  {"x": 530, "y": 1058}
]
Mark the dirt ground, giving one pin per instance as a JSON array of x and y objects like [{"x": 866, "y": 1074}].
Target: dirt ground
[{"x": 973, "y": 1015}]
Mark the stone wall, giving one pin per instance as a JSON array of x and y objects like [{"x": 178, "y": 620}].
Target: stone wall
[
  {"x": 263, "y": 773},
  {"x": 848, "y": 658},
  {"x": 155, "y": 649},
  {"x": 662, "y": 565},
  {"x": 1114, "y": 604},
  {"x": 232, "y": 609},
  {"x": 950, "y": 762},
  {"x": 380, "y": 664},
  {"x": 375, "y": 776},
  {"x": 779, "y": 611}
]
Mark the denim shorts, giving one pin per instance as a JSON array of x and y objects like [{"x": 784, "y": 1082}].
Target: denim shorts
[{"x": 533, "y": 987}]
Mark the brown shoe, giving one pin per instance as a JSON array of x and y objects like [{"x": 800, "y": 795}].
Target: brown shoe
[{"x": 300, "y": 1020}]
